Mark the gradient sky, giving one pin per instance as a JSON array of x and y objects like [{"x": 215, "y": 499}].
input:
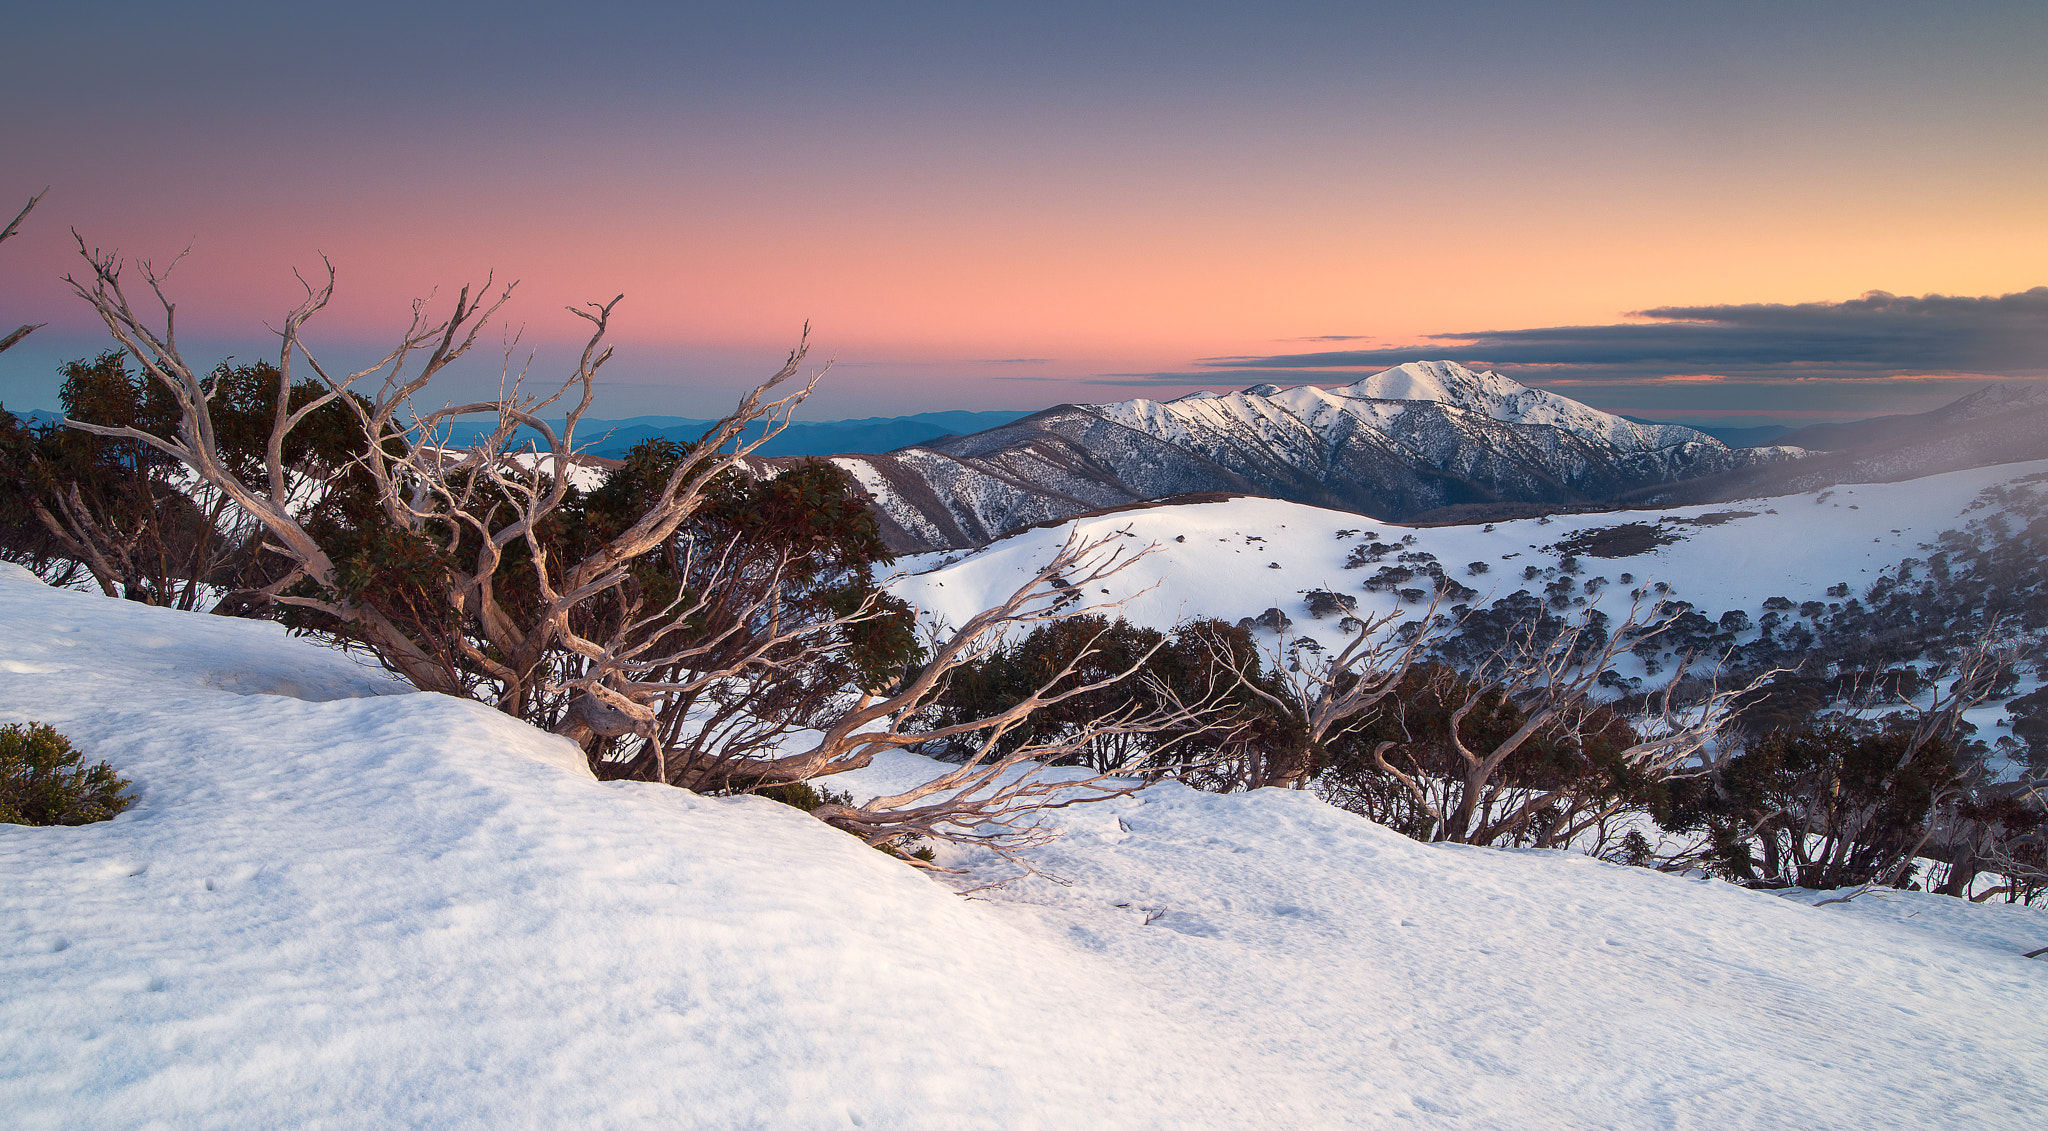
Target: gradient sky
[{"x": 981, "y": 206}]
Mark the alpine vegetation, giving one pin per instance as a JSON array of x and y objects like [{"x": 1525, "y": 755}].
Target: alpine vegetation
[{"x": 680, "y": 620}]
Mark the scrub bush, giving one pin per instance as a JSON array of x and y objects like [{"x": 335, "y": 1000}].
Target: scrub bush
[{"x": 43, "y": 781}]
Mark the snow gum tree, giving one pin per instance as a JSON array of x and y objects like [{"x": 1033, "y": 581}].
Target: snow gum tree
[
  {"x": 131, "y": 516},
  {"x": 1516, "y": 745},
  {"x": 688, "y": 618}
]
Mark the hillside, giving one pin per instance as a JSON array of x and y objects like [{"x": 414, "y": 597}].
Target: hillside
[
  {"x": 1997, "y": 424},
  {"x": 1238, "y": 558},
  {"x": 340, "y": 903}
]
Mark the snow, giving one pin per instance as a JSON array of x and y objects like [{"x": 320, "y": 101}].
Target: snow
[
  {"x": 1216, "y": 559},
  {"x": 341, "y": 903},
  {"x": 1444, "y": 382},
  {"x": 1447, "y": 986}
]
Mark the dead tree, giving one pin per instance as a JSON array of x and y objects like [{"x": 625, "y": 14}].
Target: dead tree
[
  {"x": 996, "y": 797},
  {"x": 1972, "y": 837},
  {"x": 475, "y": 519},
  {"x": 709, "y": 710},
  {"x": 498, "y": 595},
  {"x": 1322, "y": 697},
  {"x": 1459, "y": 782}
]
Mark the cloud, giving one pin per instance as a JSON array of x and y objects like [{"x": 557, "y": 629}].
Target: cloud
[
  {"x": 1209, "y": 378},
  {"x": 1330, "y": 338},
  {"x": 1877, "y": 335},
  {"x": 1013, "y": 360}
]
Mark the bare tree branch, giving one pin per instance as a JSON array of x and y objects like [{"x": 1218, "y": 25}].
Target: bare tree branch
[{"x": 13, "y": 228}]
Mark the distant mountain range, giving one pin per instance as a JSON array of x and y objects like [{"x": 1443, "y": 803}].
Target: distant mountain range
[
  {"x": 1749, "y": 436},
  {"x": 1996, "y": 424},
  {"x": 1426, "y": 441},
  {"x": 612, "y": 439}
]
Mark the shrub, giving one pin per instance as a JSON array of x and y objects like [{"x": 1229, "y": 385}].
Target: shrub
[
  {"x": 803, "y": 795},
  {"x": 807, "y": 797},
  {"x": 43, "y": 781},
  {"x": 1324, "y": 602}
]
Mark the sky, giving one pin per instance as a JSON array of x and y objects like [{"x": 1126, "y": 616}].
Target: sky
[{"x": 1712, "y": 213}]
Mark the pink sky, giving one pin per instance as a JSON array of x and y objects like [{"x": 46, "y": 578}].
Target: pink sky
[{"x": 934, "y": 226}]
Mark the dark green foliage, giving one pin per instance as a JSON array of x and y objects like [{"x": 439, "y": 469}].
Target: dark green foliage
[
  {"x": 798, "y": 549},
  {"x": 1200, "y": 661},
  {"x": 24, "y": 540},
  {"x": 43, "y": 781},
  {"x": 1624, "y": 541},
  {"x": 125, "y": 513},
  {"x": 1060, "y": 657},
  {"x": 2030, "y": 726},
  {"x": 1367, "y": 553},
  {"x": 1825, "y": 806},
  {"x": 1922, "y": 612},
  {"x": 1518, "y": 618},
  {"x": 1634, "y": 850},
  {"x": 804, "y": 795},
  {"x": 1324, "y": 603}
]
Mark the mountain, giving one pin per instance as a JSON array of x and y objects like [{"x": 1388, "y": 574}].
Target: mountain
[
  {"x": 1426, "y": 440},
  {"x": 612, "y": 439},
  {"x": 1754, "y": 436},
  {"x": 1986, "y": 403},
  {"x": 1998, "y": 424}
]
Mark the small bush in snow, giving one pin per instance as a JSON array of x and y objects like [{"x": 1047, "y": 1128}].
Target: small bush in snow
[
  {"x": 804, "y": 795},
  {"x": 1324, "y": 602},
  {"x": 43, "y": 781},
  {"x": 808, "y": 797}
]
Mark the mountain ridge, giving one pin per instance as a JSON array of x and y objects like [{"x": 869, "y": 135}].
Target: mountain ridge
[{"x": 1410, "y": 440}]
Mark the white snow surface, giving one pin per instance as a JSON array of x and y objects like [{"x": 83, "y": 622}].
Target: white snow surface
[
  {"x": 341, "y": 904},
  {"x": 1218, "y": 559}
]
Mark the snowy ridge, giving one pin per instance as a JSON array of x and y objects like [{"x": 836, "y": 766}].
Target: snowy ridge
[
  {"x": 1436, "y": 382},
  {"x": 1415, "y": 439}
]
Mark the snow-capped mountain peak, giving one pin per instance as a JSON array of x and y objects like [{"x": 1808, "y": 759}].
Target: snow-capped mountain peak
[
  {"x": 1501, "y": 398},
  {"x": 1446, "y": 383}
]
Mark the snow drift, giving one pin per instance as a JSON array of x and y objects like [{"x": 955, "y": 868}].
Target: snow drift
[{"x": 338, "y": 903}]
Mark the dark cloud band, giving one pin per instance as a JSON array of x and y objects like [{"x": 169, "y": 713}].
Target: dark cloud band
[{"x": 1878, "y": 335}]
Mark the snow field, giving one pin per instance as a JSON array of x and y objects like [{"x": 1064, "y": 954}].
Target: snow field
[
  {"x": 407, "y": 910},
  {"x": 1446, "y": 986},
  {"x": 342, "y": 904},
  {"x": 1216, "y": 559}
]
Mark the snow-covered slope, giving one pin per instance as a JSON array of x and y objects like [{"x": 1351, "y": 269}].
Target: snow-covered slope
[
  {"x": 336, "y": 906},
  {"x": 1245, "y": 559},
  {"x": 1239, "y": 557},
  {"x": 339, "y": 905}
]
